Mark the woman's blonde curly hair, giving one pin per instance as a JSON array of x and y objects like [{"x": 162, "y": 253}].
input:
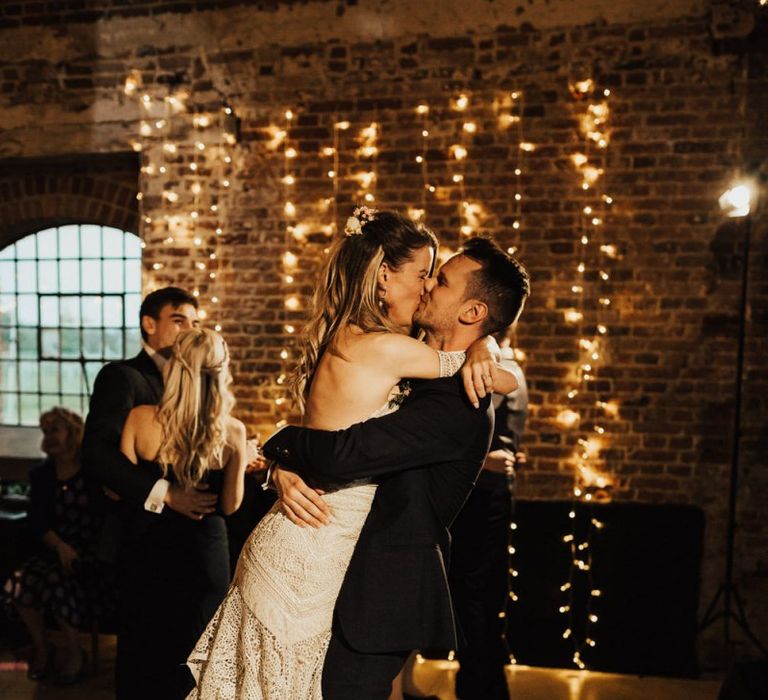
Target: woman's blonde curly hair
[
  {"x": 195, "y": 406},
  {"x": 348, "y": 289}
]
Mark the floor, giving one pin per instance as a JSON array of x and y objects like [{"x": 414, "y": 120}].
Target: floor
[{"x": 428, "y": 677}]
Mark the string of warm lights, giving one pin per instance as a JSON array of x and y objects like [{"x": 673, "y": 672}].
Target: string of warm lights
[
  {"x": 293, "y": 236},
  {"x": 579, "y": 415},
  {"x": 185, "y": 168},
  {"x": 419, "y": 214},
  {"x": 368, "y": 150},
  {"x": 468, "y": 212},
  {"x": 512, "y": 114}
]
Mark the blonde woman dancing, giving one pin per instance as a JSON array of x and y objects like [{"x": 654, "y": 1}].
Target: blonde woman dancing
[
  {"x": 183, "y": 564},
  {"x": 270, "y": 635}
]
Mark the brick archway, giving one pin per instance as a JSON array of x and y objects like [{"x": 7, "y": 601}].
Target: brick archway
[{"x": 37, "y": 194}]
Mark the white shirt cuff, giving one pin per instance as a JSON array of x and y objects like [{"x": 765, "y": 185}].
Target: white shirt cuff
[{"x": 156, "y": 500}]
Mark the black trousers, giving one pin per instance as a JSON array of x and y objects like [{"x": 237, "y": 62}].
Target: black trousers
[
  {"x": 176, "y": 573},
  {"x": 478, "y": 579},
  {"x": 352, "y": 675}
]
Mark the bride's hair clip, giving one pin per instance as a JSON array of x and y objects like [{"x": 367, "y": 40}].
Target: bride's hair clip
[{"x": 355, "y": 223}]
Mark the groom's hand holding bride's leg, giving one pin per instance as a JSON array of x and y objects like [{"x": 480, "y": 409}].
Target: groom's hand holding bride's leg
[{"x": 301, "y": 504}]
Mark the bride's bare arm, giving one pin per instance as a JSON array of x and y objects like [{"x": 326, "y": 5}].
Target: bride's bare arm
[{"x": 483, "y": 373}]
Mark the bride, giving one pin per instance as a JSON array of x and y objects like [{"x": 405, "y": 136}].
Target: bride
[{"x": 269, "y": 637}]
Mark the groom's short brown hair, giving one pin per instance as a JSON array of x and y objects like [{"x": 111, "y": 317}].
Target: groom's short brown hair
[{"x": 501, "y": 283}]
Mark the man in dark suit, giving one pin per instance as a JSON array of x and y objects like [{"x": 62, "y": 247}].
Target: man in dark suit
[
  {"x": 479, "y": 556},
  {"x": 138, "y": 492},
  {"x": 425, "y": 457}
]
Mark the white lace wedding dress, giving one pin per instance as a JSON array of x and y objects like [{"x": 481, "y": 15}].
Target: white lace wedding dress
[{"x": 267, "y": 640}]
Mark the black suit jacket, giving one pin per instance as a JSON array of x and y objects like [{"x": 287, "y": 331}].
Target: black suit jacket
[
  {"x": 119, "y": 387},
  {"x": 426, "y": 457}
]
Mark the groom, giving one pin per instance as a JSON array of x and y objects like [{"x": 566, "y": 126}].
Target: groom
[{"x": 425, "y": 458}]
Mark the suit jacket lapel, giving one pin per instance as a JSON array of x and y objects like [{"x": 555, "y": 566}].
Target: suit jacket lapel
[{"x": 151, "y": 373}]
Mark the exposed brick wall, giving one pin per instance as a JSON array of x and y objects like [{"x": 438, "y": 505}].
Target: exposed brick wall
[
  {"x": 688, "y": 115},
  {"x": 37, "y": 194},
  {"x": 16, "y": 13}
]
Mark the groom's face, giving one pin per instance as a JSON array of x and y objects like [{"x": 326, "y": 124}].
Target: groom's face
[{"x": 445, "y": 295}]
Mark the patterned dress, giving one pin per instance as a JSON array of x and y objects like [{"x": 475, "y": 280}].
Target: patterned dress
[
  {"x": 269, "y": 637},
  {"x": 67, "y": 508}
]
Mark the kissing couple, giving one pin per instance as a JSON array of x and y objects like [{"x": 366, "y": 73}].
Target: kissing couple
[{"x": 346, "y": 575}]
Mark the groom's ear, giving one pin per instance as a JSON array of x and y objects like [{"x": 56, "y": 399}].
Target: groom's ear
[{"x": 474, "y": 311}]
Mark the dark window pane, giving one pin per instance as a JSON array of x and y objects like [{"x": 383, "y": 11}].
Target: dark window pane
[
  {"x": 49, "y": 377},
  {"x": 66, "y": 293},
  {"x": 91, "y": 370},
  {"x": 48, "y": 280},
  {"x": 8, "y": 343},
  {"x": 112, "y": 242},
  {"x": 70, "y": 343},
  {"x": 7, "y": 310},
  {"x": 26, "y": 275},
  {"x": 50, "y": 339},
  {"x": 91, "y": 311},
  {"x": 48, "y": 401},
  {"x": 27, "y": 310},
  {"x": 72, "y": 378},
  {"x": 113, "y": 275},
  {"x": 113, "y": 342},
  {"x": 132, "y": 306},
  {"x": 92, "y": 343},
  {"x": 73, "y": 403},
  {"x": 90, "y": 241},
  {"x": 46, "y": 243},
  {"x": 30, "y": 409},
  {"x": 8, "y": 377},
  {"x": 132, "y": 276},
  {"x": 49, "y": 311},
  {"x": 132, "y": 246},
  {"x": 9, "y": 409},
  {"x": 132, "y": 342},
  {"x": 8, "y": 276},
  {"x": 69, "y": 276},
  {"x": 70, "y": 311},
  {"x": 28, "y": 343},
  {"x": 90, "y": 275},
  {"x": 26, "y": 248},
  {"x": 28, "y": 376},
  {"x": 69, "y": 242},
  {"x": 113, "y": 312}
]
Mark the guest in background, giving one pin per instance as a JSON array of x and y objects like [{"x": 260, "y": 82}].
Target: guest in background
[
  {"x": 118, "y": 388},
  {"x": 65, "y": 514},
  {"x": 180, "y": 568},
  {"x": 479, "y": 564}
]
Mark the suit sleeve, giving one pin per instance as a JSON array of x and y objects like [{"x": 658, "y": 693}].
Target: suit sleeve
[
  {"x": 432, "y": 428},
  {"x": 112, "y": 400}
]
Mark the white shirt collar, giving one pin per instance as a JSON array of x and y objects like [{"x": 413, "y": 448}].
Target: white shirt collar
[{"x": 157, "y": 358}]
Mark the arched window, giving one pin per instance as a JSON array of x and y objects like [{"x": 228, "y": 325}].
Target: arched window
[{"x": 69, "y": 302}]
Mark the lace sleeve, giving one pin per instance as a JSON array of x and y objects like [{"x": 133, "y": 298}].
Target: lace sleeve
[{"x": 451, "y": 362}]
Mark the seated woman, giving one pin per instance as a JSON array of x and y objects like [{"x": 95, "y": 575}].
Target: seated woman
[{"x": 64, "y": 516}]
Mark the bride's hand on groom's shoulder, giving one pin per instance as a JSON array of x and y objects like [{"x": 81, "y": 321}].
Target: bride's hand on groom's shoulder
[
  {"x": 479, "y": 371},
  {"x": 301, "y": 504}
]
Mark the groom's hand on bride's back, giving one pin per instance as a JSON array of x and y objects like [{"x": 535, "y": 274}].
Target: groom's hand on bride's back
[
  {"x": 301, "y": 504},
  {"x": 194, "y": 503}
]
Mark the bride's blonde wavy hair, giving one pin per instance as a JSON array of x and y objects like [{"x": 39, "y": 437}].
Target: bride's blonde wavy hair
[
  {"x": 348, "y": 290},
  {"x": 195, "y": 406}
]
